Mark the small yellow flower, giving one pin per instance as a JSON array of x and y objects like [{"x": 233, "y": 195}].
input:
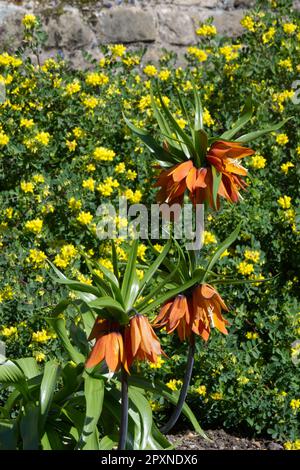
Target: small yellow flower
[
  {"x": 72, "y": 88},
  {"x": 285, "y": 202},
  {"x": 197, "y": 53},
  {"x": 286, "y": 166},
  {"x": 39, "y": 356},
  {"x": 29, "y": 21},
  {"x": 27, "y": 187},
  {"x": 117, "y": 50},
  {"x": 74, "y": 204},
  {"x": 89, "y": 184},
  {"x": 43, "y": 138},
  {"x": 295, "y": 404},
  {"x": 245, "y": 268},
  {"x": 258, "y": 162},
  {"x": 207, "y": 30},
  {"x": 120, "y": 168},
  {"x": 158, "y": 364},
  {"x": 289, "y": 28},
  {"x": 286, "y": 64},
  {"x": 26, "y": 123},
  {"x": 34, "y": 226},
  {"x": 150, "y": 70},
  {"x": 85, "y": 218},
  {"x": 103, "y": 154},
  {"x": 164, "y": 75},
  {"x": 282, "y": 139},
  {"x": 216, "y": 396},
  {"x": 209, "y": 238},
  {"x": 4, "y": 139},
  {"x": 174, "y": 384},
  {"x": 248, "y": 23},
  {"x": 41, "y": 336},
  {"x": 36, "y": 258},
  {"x": 201, "y": 390},
  {"x": 9, "y": 331},
  {"x": 71, "y": 144},
  {"x": 252, "y": 255}
]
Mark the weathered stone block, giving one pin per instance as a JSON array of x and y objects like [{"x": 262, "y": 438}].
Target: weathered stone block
[
  {"x": 199, "y": 3},
  {"x": 175, "y": 27},
  {"x": 69, "y": 31},
  {"x": 11, "y": 30},
  {"x": 126, "y": 24}
]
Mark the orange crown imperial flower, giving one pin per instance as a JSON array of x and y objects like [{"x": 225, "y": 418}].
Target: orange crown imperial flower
[
  {"x": 224, "y": 157},
  {"x": 195, "y": 312},
  {"x": 119, "y": 345}
]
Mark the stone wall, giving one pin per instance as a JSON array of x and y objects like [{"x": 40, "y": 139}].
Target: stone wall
[{"x": 154, "y": 23}]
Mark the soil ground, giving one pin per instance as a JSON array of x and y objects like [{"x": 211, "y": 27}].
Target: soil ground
[{"x": 220, "y": 440}]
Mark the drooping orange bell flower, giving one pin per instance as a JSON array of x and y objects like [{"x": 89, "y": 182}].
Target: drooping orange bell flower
[
  {"x": 184, "y": 176},
  {"x": 196, "y": 312},
  {"x": 119, "y": 345},
  {"x": 176, "y": 314},
  {"x": 225, "y": 156},
  {"x": 141, "y": 343},
  {"x": 109, "y": 345},
  {"x": 207, "y": 311}
]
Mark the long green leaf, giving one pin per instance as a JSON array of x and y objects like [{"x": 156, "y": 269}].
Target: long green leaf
[
  {"x": 226, "y": 244},
  {"x": 240, "y": 123},
  {"x": 48, "y": 385},
  {"x": 94, "y": 396},
  {"x": 255, "y": 134},
  {"x": 29, "y": 427},
  {"x": 130, "y": 284},
  {"x": 58, "y": 324}
]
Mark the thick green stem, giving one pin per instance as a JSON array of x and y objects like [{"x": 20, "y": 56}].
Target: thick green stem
[
  {"x": 183, "y": 392},
  {"x": 124, "y": 411}
]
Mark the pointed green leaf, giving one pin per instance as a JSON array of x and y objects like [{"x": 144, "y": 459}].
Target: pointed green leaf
[
  {"x": 255, "y": 134},
  {"x": 240, "y": 123}
]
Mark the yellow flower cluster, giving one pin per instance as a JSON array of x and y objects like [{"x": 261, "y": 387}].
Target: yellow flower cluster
[
  {"x": 103, "y": 154},
  {"x": 289, "y": 445},
  {"x": 197, "y": 53},
  {"x": 34, "y": 226},
  {"x": 295, "y": 404},
  {"x": 286, "y": 64},
  {"x": 268, "y": 35},
  {"x": 174, "y": 384},
  {"x": 117, "y": 50},
  {"x": 209, "y": 238},
  {"x": 289, "y": 28},
  {"x": 286, "y": 166},
  {"x": 96, "y": 79},
  {"x": 36, "y": 258},
  {"x": 207, "y": 30},
  {"x": 281, "y": 97},
  {"x": 65, "y": 256},
  {"x": 285, "y": 202},
  {"x": 252, "y": 255},
  {"x": 27, "y": 186},
  {"x": 207, "y": 119},
  {"x": 29, "y": 21},
  {"x": 150, "y": 70},
  {"x": 85, "y": 218},
  {"x": 42, "y": 336},
  {"x": 133, "y": 196},
  {"x": 73, "y": 87},
  {"x": 158, "y": 364},
  {"x": 245, "y": 268},
  {"x": 201, "y": 390},
  {"x": 251, "y": 335},
  {"x": 8, "y": 60},
  {"x": 89, "y": 184},
  {"x": 43, "y": 138},
  {"x": 282, "y": 139},
  {"x": 164, "y": 75},
  {"x": 9, "y": 331},
  {"x": 248, "y": 23},
  {"x": 4, "y": 139},
  {"x": 258, "y": 162},
  {"x": 107, "y": 187},
  {"x": 74, "y": 204},
  {"x": 230, "y": 52}
]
